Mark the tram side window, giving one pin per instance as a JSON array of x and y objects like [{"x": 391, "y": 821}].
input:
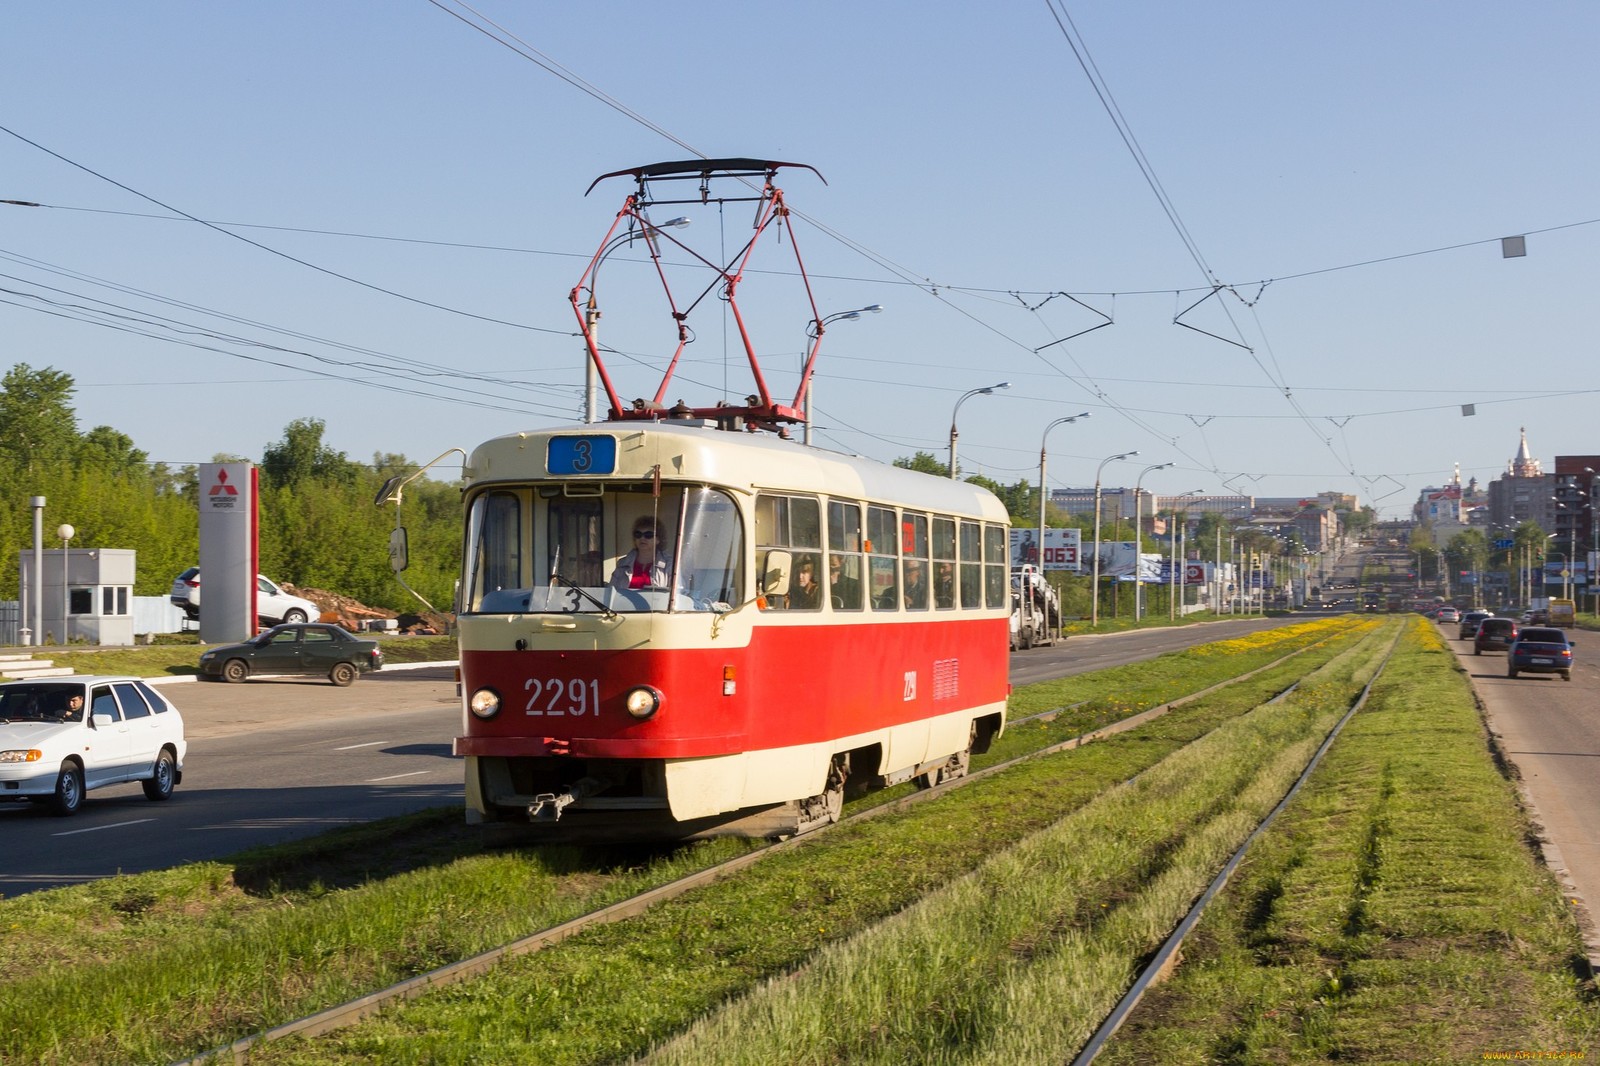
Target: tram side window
[
  {"x": 996, "y": 565},
  {"x": 914, "y": 553},
  {"x": 971, "y": 576},
  {"x": 944, "y": 563},
  {"x": 496, "y": 543},
  {"x": 882, "y": 548},
  {"x": 844, "y": 555},
  {"x": 793, "y": 525}
]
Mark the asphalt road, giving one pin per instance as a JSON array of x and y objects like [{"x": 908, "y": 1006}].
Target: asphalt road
[
  {"x": 1550, "y": 731},
  {"x": 268, "y": 761}
]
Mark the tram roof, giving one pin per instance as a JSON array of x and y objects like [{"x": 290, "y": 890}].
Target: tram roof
[{"x": 753, "y": 461}]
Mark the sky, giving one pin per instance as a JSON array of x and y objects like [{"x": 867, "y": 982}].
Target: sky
[{"x": 372, "y": 214}]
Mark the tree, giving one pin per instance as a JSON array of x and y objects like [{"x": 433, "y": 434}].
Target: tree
[
  {"x": 37, "y": 422},
  {"x": 301, "y": 456},
  {"x": 110, "y": 450},
  {"x": 925, "y": 463}
]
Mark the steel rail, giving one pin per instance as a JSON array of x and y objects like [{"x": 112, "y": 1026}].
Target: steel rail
[
  {"x": 356, "y": 1010},
  {"x": 1169, "y": 948}
]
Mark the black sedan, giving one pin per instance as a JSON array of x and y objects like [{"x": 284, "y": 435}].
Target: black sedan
[{"x": 310, "y": 648}]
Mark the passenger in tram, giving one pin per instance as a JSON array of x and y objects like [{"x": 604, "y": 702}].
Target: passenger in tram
[
  {"x": 805, "y": 594},
  {"x": 944, "y": 583},
  {"x": 843, "y": 591},
  {"x": 645, "y": 567},
  {"x": 916, "y": 590}
]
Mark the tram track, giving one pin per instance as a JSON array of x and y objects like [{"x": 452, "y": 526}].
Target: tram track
[{"x": 349, "y": 1013}]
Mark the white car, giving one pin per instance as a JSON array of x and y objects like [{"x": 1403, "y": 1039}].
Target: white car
[
  {"x": 273, "y": 605},
  {"x": 53, "y": 750}
]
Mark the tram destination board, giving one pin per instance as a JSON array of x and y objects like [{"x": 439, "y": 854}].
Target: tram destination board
[{"x": 586, "y": 454}]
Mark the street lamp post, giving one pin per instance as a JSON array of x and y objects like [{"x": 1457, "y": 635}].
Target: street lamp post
[
  {"x": 1094, "y": 610},
  {"x": 1043, "y": 492},
  {"x": 1180, "y": 585},
  {"x": 985, "y": 391},
  {"x": 1138, "y": 529},
  {"x": 66, "y": 533},
  {"x": 591, "y": 384},
  {"x": 814, "y": 332}
]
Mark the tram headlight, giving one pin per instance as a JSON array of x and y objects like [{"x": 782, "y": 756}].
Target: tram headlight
[
  {"x": 643, "y": 702},
  {"x": 485, "y": 703}
]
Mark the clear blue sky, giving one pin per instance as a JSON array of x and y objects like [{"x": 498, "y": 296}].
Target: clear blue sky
[{"x": 1363, "y": 158}]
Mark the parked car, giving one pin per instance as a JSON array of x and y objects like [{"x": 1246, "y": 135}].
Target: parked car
[
  {"x": 273, "y": 605},
  {"x": 53, "y": 751},
  {"x": 312, "y": 649},
  {"x": 1494, "y": 634},
  {"x": 1540, "y": 650},
  {"x": 1469, "y": 623},
  {"x": 1448, "y": 614}
]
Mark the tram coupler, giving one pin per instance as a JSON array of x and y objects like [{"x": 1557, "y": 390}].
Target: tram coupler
[{"x": 547, "y": 806}]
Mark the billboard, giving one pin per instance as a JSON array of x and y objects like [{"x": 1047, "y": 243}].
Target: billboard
[{"x": 1062, "y": 549}]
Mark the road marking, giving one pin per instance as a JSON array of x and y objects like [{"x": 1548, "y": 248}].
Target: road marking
[
  {"x": 97, "y": 828},
  {"x": 368, "y": 744},
  {"x": 396, "y": 777}
]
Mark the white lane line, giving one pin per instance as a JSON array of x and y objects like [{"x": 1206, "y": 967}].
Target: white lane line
[
  {"x": 97, "y": 828},
  {"x": 396, "y": 777},
  {"x": 368, "y": 744}
]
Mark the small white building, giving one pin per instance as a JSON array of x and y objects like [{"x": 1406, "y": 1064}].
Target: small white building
[{"x": 87, "y": 595}]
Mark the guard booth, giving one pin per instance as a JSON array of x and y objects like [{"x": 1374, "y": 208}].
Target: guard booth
[{"x": 87, "y": 594}]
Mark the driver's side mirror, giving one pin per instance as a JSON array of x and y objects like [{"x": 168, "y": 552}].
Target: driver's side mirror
[
  {"x": 775, "y": 573},
  {"x": 399, "y": 557},
  {"x": 102, "y": 721}
]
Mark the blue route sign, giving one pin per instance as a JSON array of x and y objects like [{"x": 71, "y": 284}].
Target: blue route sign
[{"x": 1504, "y": 544}]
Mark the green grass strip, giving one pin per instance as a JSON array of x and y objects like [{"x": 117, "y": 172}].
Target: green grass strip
[
  {"x": 1394, "y": 914},
  {"x": 614, "y": 991}
]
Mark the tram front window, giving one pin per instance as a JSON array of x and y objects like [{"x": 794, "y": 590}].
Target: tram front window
[{"x": 582, "y": 548}]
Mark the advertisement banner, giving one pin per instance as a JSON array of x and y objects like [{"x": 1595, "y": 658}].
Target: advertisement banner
[{"x": 1062, "y": 549}]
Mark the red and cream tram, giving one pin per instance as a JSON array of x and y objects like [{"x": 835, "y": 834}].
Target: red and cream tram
[
  {"x": 680, "y": 623},
  {"x": 719, "y": 697}
]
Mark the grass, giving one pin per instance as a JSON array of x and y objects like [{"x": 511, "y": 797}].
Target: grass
[
  {"x": 306, "y": 925},
  {"x": 195, "y": 957},
  {"x": 1396, "y": 914}
]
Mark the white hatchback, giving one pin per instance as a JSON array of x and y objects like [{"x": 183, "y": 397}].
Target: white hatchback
[{"x": 53, "y": 751}]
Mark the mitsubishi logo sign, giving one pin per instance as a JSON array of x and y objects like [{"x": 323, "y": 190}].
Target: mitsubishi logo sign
[{"x": 222, "y": 494}]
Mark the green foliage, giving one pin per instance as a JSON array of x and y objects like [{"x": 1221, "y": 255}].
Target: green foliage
[
  {"x": 925, "y": 463},
  {"x": 319, "y": 527}
]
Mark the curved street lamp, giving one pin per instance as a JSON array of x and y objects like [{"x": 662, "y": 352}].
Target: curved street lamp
[
  {"x": 986, "y": 390},
  {"x": 1043, "y": 494},
  {"x": 814, "y": 331},
  {"x": 1138, "y": 519},
  {"x": 1094, "y": 610},
  {"x": 591, "y": 384}
]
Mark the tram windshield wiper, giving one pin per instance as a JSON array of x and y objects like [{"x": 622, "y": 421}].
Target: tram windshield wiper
[{"x": 605, "y": 612}]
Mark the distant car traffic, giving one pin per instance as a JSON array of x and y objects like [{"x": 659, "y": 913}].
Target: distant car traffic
[
  {"x": 53, "y": 750},
  {"x": 1494, "y": 634},
  {"x": 1448, "y": 614},
  {"x": 273, "y": 605},
  {"x": 1469, "y": 624},
  {"x": 313, "y": 649},
  {"x": 1540, "y": 650}
]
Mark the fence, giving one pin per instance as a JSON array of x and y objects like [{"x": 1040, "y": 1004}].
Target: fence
[{"x": 151, "y": 614}]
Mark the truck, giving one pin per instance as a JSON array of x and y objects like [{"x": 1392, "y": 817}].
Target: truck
[
  {"x": 1035, "y": 608},
  {"x": 1563, "y": 613}
]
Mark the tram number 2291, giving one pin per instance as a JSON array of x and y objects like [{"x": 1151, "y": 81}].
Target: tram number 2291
[{"x": 562, "y": 697}]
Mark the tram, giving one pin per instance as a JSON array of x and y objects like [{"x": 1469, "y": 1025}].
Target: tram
[{"x": 680, "y": 623}]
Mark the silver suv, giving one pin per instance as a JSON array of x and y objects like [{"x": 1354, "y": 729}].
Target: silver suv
[{"x": 273, "y": 605}]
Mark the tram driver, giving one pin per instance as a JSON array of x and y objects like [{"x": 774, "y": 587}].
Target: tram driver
[{"x": 645, "y": 566}]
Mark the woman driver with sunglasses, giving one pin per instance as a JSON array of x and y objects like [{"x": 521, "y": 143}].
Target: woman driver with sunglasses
[{"x": 644, "y": 567}]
